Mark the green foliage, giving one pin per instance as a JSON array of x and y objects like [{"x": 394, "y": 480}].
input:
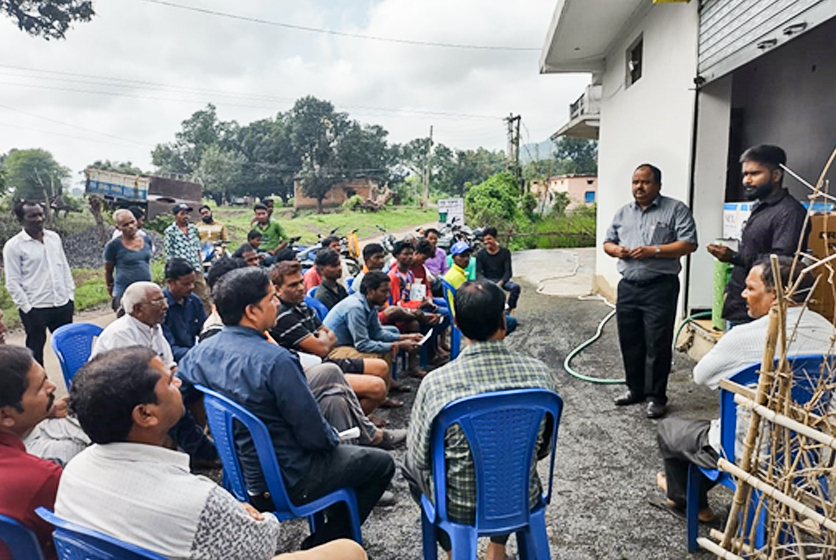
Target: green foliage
[
  {"x": 495, "y": 202},
  {"x": 353, "y": 203},
  {"x": 219, "y": 169},
  {"x": 117, "y": 166},
  {"x": 49, "y": 19},
  {"x": 30, "y": 172},
  {"x": 159, "y": 223},
  {"x": 579, "y": 156},
  {"x": 528, "y": 205},
  {"x": 561, "y": 201}
]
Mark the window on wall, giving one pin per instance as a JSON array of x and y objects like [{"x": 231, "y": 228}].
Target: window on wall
[
  {"x": 635, "y": 61},
  {"x": 589, "y": 197}
]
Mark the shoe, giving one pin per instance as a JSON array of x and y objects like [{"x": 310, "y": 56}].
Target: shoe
[
  {"x": 655, "y": 409},
  {"x": 391, "y": 403},
  {"x": 378, "y": 421},
  {"x": 387, "y": 499},
  {"x": 398, "y": 387},
  {"x": 391, "y": 439},
  {"x": 627, "y": 399}
]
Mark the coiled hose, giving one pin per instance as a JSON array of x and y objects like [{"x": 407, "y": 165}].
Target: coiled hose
[{"x": 567, "y": 363}]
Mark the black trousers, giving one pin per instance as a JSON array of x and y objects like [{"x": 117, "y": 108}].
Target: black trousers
[
  {"x": 646, "y": 312},
  {"x": 683, "y": 443},
  {"x": 38, "y": 320},
  {"x": 366, "y": 470}
]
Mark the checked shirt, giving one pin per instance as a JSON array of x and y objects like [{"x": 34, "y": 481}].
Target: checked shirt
[
  {"x": 180, "y": 245},
  {"x": 482, "y": 367}
]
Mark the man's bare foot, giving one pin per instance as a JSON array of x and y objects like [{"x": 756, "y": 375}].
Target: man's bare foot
[
  {"x": 662, "y": 482},
  {"x": 495, "y": 551},
  {"x": 706, "y": 515}
]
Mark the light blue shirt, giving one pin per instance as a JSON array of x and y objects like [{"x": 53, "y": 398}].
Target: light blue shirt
[{"x": 355, "y": 323}]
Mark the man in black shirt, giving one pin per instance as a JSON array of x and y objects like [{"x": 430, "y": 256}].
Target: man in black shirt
[
  {"x": 774, "y": 227},
  {"x": 330, "y": 292},
  {"x": 494, "y": 263}
]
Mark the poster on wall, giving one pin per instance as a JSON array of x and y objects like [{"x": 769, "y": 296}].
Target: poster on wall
[{"x": 451, "y": 210}]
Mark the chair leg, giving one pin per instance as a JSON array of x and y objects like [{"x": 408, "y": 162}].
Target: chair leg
[
  {"x": 455, "y": 342},
  {"x": 463, "y": 540},
  {"x": 428, "y": 538},
  {"x": 692, "y": 507},
  {"x": 533, "y": 541}
]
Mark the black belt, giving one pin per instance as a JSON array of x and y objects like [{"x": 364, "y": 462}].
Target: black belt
[{"x": 651, "y": 281}]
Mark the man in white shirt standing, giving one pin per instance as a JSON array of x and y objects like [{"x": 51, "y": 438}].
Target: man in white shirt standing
[
  {"x": 38, "y": 277},
  {"x": 145, "y": 307},
  {"x": 683, "y": 441}
]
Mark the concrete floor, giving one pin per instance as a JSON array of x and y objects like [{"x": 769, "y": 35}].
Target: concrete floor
[{"x": 606, "y": 456}]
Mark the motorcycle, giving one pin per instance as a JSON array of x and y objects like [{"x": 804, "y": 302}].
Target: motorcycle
[
  {"x": 210, "y": 252},
  {"x": 451, "y": 233}
]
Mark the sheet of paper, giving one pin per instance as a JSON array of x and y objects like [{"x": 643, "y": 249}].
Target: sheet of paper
[
  {"x": 351, "y": 433},
  {"x": 426, "y": 337}
]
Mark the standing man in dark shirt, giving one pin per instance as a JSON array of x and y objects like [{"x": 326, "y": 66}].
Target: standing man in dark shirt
[
  {"x": 185, "y": 317},
  {"x": 494, "y": 263},
  {"x": 268, "y": 381},
  {"x": 648, "y": 237},
  {"x": 330, "y": 292},
  {"x": 774, "y": 227}
]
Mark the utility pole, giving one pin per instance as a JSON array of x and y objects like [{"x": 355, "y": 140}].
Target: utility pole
[
  {"x": 514, "y": 146},
  {"x": 425, "y": 196}
]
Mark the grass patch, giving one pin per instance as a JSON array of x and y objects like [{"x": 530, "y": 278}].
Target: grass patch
[
  {"x": 308, "y": 224},
  {"x": 574, "y": 229}
]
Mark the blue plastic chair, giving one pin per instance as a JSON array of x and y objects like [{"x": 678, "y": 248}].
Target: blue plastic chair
[
  {"x": 455, "y": 333},
  {"x": 318, "y": 306},
  {"x": 73, "y": 345},
  {"x": 222, "y": 413},
  {"x": 349, "y": 285},
  {"x": 801, "y": 394},
  {"x": 19, "y": 540},
  {"x": 74, "y": 542},
  {"x": 502, "y": 429}
]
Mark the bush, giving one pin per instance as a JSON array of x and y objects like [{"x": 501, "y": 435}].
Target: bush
[
  {"x": 353, "y": 203},
  {"x": 159, "y": 223},
  {"x": 494, "y": 202}
]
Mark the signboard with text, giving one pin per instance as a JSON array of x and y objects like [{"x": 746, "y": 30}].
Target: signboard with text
[{"x": 450, "y": 209}]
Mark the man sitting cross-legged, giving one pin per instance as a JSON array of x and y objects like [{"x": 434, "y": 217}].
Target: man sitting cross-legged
[
  {"x": 268, "y": 380},
  {"x": 682, "y": 441},
  {"x": 484, "y": 366},
  {"x": 129, "y": 486},
  {"x": 355, "y": 323}
]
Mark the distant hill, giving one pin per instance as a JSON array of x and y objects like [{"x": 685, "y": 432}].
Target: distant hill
[{"x": 533, "y": 152}]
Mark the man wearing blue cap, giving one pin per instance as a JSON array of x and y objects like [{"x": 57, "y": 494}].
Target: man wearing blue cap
[{"x": 458, "y": 275}]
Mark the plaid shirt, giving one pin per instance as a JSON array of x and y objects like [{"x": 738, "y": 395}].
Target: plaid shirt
[
  {"x": 482, "y": 367},
  {"x": 180, "y": 245}
]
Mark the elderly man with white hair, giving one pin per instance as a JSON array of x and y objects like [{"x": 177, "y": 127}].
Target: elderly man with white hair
[
  {"x": 127, "y": 258},
  {"x": 145, "y": 307}
]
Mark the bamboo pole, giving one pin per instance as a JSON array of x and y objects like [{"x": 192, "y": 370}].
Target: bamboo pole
[
  {"x": 718, "y": 551},
  {"x": 775, "y": 494},
  {"x": 786, "y": 422},
  {"x": 743, "y": 547},
  {"x": 752, "y": 432}
]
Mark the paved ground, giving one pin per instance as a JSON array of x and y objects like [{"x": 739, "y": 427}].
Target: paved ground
[{"x": 606, "y": 456}]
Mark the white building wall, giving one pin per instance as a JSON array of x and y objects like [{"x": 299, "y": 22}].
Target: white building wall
[{"x": 649, "y": 121}]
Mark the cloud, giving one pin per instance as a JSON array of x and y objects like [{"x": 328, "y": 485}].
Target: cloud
[{"x": 173, "y": 62}]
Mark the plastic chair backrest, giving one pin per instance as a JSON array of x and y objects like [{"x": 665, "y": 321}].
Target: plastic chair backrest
[
  {"x": 449, "y": 295},
  {"x": 74, "y": 542},
  {"x": 222, "y": 413},
  {"x": 312, "y": 292},
  {"x": 19, "y": 540},
  {"x": 805, "y": 374},
  {"x": 349, "y": 285},
  {"x": 502, "y": 430},
  {"x": 318, "y": 306},
  {"x": 73, "y": 345}
]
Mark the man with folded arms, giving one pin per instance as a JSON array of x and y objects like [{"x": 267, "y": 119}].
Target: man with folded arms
[
  {"x": 683, "y": 442},
  {"x": 130, "y": 487},
  {"x": 268, "y": 380}
]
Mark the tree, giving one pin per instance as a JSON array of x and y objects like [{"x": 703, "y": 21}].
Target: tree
[
  {"x": 494, "y": 202},
  {"x": 201, "y": 130},
  {"x": 271, "y": 160},
  {"x": 49, "y": 19},
  {"x": 220, "y": 170},
  {"x": 316, "y": 131},
  {"x": 34, "y": 174},
  {"x": 116, "y": 166},
  {"x": 579, "y": 155}
]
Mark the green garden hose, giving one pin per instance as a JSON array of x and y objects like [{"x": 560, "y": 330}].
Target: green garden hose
[{"x": 567, "y": 362}]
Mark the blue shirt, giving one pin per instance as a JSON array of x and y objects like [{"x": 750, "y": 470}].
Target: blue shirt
[
  {"x": 183, "y": 323},
  {"x": 355, "y": 324},
  {"x": 267, "y": 380},
  {"x": 129, "y": 266},
  {"x": 665, "y": 221}
]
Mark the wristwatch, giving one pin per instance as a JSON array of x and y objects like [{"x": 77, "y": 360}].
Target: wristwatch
[{"x": 658, "y": 250}]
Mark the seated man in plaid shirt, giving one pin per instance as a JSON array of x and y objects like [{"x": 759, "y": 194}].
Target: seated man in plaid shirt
[{"x": 484, "y": 366}]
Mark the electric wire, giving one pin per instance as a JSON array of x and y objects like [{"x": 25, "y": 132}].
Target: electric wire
[{"x": 341, "y": 33}]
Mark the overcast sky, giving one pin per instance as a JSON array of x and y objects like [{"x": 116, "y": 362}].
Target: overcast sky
[{"x": 119, "y": 85}]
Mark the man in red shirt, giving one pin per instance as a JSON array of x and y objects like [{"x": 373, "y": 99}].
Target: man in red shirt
[{"x": 27, "y": 397}]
